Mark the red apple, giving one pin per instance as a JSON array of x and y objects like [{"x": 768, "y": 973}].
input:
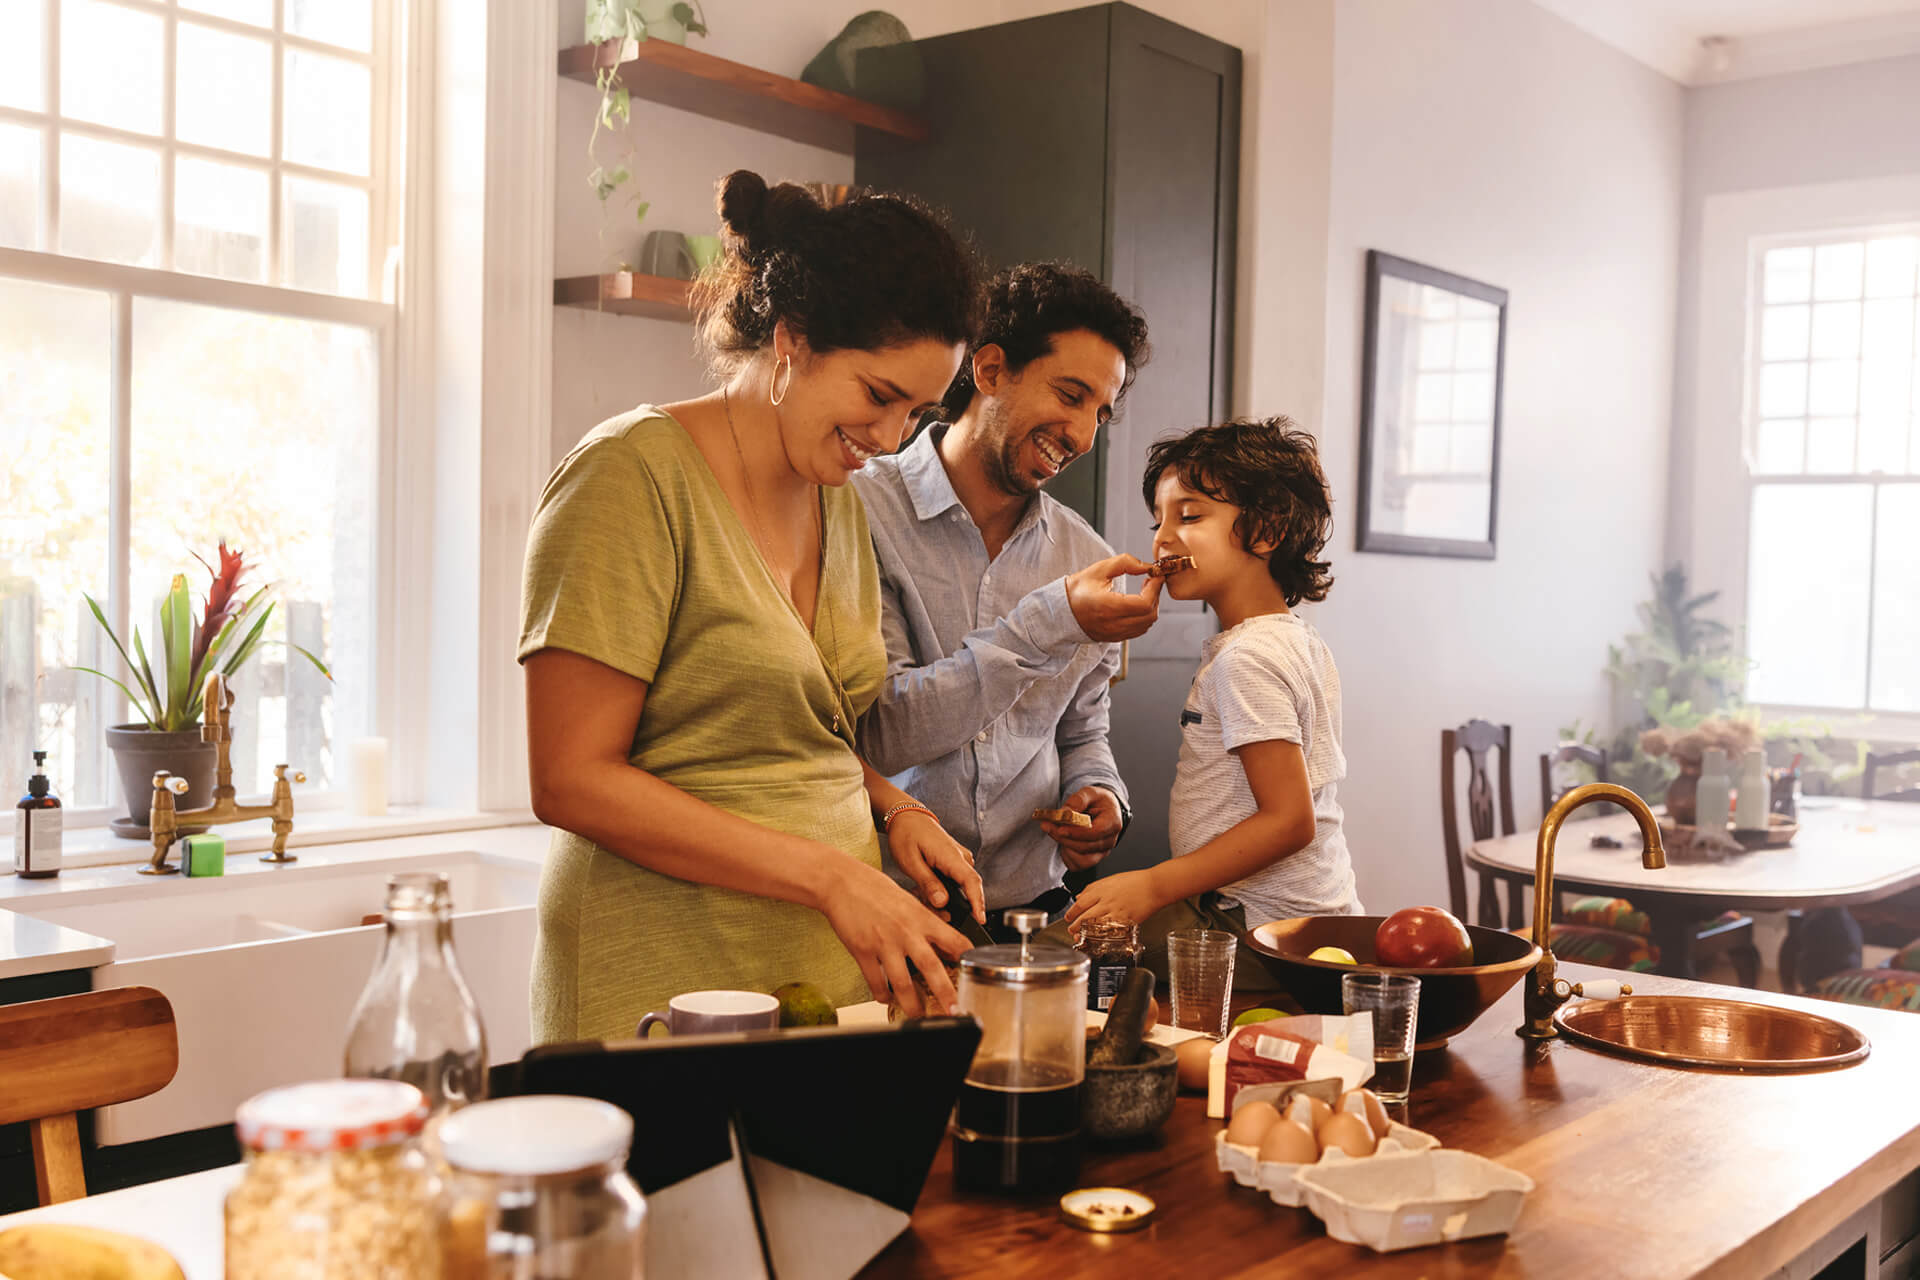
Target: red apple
[{"x": 1422, "y": 938}]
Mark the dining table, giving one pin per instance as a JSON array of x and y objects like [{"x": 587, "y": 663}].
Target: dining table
[{"x": 1845, "y": 851}]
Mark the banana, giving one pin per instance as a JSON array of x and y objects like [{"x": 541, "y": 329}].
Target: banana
[{"x": 57, "y": 1251}]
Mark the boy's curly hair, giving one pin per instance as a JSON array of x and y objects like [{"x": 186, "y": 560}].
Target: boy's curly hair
[{"x": 1270, "y": 469}]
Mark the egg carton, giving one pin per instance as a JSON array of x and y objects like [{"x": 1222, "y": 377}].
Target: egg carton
[
  {"x": 1413, "y": 1199},
  {"x": 1279, "y": 1179}
]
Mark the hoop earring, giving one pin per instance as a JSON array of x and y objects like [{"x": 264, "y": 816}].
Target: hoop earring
[{"x": 786, "y": 362}]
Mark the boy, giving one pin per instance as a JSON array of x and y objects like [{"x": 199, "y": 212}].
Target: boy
[{"x": 1255, "y": 825}]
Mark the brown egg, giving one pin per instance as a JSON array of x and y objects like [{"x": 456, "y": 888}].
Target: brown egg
[
  {"x": 1250, "y": 1123},
  {"x": 1347, "y": 1132},
  {"x": 1190, "y": 1063},
  {"x": 1366, "y": 1103},
  {"x": 1287, "y": 1143},
  {"x": 1308, "y": 1112}
]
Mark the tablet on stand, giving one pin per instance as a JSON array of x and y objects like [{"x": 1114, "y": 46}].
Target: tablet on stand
[{"x": 789, "y": 1155}]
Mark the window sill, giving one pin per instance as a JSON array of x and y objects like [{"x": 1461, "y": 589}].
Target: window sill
[{"x": 99, "y": 847}]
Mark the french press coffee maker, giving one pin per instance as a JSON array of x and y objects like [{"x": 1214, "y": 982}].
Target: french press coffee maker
[{"x": 1016, "y": 1124}]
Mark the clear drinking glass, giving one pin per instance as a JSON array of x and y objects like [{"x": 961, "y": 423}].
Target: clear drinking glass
[
  {"x": 416, "y": 1019},
  {"x": 1200, "y": 967},
  {"x": 1394, "y": 1001}
]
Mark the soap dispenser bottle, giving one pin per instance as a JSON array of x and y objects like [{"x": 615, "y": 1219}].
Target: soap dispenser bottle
[
  {"x": 36, "y": 827},
  {"x": 1754, "y": 795},
  {"x": 1715, "y": 791}
]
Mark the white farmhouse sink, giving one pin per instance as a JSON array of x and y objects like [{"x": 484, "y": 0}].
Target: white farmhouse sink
[{"x": 263, "y": 970}]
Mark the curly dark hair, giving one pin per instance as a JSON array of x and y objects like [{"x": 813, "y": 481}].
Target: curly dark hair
[
  {"x": 871, "y": 272},
  {"x": 1270, "y": 469},
  {"x": 1028, "y": 304}
]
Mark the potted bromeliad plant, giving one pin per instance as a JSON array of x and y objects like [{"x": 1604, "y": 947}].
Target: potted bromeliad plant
[{"x": 168, "y": 688}]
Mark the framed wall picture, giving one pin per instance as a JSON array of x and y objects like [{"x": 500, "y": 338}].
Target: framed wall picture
[{"x": 1430, "y": 411}]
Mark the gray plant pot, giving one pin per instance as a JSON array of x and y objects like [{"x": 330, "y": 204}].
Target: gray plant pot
[{"x": 140, "y": 753}]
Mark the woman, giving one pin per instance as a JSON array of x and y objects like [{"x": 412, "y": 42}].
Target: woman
[{"x": 701, "y": 631}]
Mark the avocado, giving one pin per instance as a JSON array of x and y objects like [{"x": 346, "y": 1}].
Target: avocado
[{"x": 803, "y": 1005}]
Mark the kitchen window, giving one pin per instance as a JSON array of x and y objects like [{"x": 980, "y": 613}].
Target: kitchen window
[
  {"x": 197, "y": 203},
  {"x": 1833, "y": 467}
]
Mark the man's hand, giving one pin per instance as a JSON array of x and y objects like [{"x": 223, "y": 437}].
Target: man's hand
[
  {"x": 1083, "y": 847},
  {"x": 1106, "y": 613},
  {"x": 1130, "y": 896}
]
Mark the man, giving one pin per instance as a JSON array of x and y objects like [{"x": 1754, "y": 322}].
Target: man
[{"x": 999, "y": 605}]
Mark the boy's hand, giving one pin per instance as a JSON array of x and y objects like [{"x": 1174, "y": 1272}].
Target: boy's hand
[
  {"x": 1103, "y": 611},
  {"x": 1129, "y": 896},
  {"x": 1083, "y": 847}
]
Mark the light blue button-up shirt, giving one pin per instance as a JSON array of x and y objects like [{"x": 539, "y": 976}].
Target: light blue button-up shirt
[{"x": 995, "y": 702}]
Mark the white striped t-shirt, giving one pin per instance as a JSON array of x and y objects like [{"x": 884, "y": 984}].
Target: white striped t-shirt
[{"x": 1271, "y": 677}]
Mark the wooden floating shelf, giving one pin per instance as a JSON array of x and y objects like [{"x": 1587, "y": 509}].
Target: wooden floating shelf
[
  {"x": 676, "y": 76},
  {"x": 626, "y": 293}
]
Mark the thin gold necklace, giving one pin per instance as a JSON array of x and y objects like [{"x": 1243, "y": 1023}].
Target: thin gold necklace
[{"x": 821, "y": 600}]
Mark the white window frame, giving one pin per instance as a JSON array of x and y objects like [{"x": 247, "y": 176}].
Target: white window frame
[
  {"x": 377, "y": 312},
  {"x": 1736, "y": 230}
]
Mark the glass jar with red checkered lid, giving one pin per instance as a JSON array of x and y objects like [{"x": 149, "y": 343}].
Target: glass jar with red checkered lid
[{"x": 336, "y": 1185}]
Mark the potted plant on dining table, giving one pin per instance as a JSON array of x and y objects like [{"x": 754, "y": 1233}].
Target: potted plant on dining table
[{"x": 167, "y": 695}]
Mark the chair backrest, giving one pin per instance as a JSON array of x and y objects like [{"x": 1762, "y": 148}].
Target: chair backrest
[
  {"x": 1888, "y": 759},
  {"x": 1566, "y": 752},
  {"x": 62, "y": 1056},
  {"x": 1478, "y": 739}
]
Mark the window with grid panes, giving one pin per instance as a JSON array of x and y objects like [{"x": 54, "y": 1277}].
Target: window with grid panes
[
  {"x": 1833, "y": 455},
  {"x": 196, "y": 203}
]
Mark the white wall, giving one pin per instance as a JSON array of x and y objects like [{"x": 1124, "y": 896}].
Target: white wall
[
  {"x": 1847, "y": 124},
  {"x": 1498, "y": 142}
]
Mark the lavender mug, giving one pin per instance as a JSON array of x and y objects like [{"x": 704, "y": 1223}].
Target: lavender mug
[{"x": 700, "y": 1012}]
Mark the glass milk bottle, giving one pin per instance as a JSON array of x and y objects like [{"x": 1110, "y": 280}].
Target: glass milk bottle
[{"x": 416, "y": 1020}]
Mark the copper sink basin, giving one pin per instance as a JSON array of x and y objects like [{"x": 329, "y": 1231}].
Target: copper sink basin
[{"x": 1702, "y": 1031}]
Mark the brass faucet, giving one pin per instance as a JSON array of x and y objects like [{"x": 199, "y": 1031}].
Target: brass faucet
[
  {"x": 1545, "y": 992},
  {"x": 164, "y": 821}
]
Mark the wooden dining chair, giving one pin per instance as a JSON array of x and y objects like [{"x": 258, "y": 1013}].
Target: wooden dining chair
[
  {"x": 66, "y": 1055},
  {"x": 1895, "y": 921},
  {"x": 1480, "y": 740},
  {"x": 1729, "y": 934}
]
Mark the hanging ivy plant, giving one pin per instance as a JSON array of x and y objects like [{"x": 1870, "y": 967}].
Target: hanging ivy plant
[{"x": 619, "y": 21}]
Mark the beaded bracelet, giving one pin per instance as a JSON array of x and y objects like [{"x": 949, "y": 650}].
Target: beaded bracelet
[{"x": 905, "y": 806}]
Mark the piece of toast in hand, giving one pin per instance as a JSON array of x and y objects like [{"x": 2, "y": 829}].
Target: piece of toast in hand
[
  {"x": 1167, "y": 566},
  {"x": 1068, "y": 817}
]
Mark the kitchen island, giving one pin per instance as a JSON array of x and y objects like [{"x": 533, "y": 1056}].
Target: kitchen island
[{"x": 1640, "y": 1172}]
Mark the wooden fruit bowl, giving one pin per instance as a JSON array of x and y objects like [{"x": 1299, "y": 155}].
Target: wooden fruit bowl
[{"x": 1450, "y": 999}]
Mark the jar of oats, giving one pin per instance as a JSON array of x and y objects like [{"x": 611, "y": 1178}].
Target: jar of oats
[{"x": 336, "y": 1186}]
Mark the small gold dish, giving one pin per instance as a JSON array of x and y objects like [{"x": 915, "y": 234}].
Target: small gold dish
[
  {"x": 1106, "y": 1209},
  {"x": 1704, "y": 1031}
]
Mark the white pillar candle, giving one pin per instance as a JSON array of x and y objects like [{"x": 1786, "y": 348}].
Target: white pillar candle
[{"x": 367, "y": 776}]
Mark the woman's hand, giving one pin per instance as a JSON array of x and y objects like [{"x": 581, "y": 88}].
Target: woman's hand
[
  {"x": 1130, "y": 895},
  {"x": 887, "y": 930},
  {"x": 922, "y": 848}
]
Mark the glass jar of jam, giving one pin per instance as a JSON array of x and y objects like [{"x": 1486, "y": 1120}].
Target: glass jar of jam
[{"x": 1112, "y": 948}]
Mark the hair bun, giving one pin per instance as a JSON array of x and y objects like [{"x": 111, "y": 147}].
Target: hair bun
[{"x": 743, "y": 207}]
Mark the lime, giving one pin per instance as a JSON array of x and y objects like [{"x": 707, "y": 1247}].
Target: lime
[
  {"x": 803, "y": 1005},
  {"x": 1338, "y": 955},
  {"x": 1252, "y": 1016}
]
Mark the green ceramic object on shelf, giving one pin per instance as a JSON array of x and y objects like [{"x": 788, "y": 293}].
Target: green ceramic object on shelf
[{"x": 899, "y": 82}]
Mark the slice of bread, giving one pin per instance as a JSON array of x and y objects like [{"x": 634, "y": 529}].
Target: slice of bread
[{"x": 1067, "y": 817}]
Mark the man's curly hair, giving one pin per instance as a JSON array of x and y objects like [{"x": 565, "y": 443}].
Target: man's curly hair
[
  {"x": 1028, "y": 304},
  {"x": 1270, "y": 469}
]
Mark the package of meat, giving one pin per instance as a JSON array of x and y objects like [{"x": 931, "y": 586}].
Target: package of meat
[{"x": 1317, "y": 1047}]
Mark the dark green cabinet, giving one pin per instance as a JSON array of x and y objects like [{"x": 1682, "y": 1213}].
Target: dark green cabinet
[{"x": 1110, "y": 138}]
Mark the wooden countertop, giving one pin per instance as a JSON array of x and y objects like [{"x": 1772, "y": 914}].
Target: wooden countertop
[{"x": 1640, "y": 1171}]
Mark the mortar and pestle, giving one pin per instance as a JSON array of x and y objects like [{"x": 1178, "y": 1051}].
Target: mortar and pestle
[{"x": 1130, "y": 1084}]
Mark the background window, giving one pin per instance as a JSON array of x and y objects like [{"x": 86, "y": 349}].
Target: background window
[
  {"x": 1834, "y": 453},
  {"x": 189, "y": 351}
]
